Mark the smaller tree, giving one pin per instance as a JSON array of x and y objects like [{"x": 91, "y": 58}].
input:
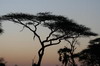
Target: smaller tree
[
  {"x": 80, "y": 31},
  {"x": 91, "y": 55},
  {"x": 64, "y": 54}
]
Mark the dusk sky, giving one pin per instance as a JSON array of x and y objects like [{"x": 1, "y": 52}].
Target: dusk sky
[{"x": 19, "y": 48}]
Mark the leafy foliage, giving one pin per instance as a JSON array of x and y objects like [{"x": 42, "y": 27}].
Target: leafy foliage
[
  {"x": 56, "y": 23},
  {"x": 20, "y": 16},
  {"x": 64, "y": 55},
  {"x": 91, "y": 55}
]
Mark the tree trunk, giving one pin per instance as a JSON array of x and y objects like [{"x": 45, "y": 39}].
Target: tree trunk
[
  {"x": 73, "y": 61},
  {"x": 40, "y": 54}
]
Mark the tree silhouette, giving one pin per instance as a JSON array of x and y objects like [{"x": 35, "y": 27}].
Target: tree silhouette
[
  {"x": 60, "y": 28},
  {"x": 78, "y": 31},
  {"x": 72, "y": 43},
  {"x": 64, "y": 54},
  {"x": 91, "y": 55}
]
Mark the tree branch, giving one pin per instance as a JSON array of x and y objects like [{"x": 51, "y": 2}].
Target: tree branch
[
  {"x": 52, "y": 43},
  {"x": 53, "y": 39},
  {"x": 29, "y": 29},
  {"x": 36, "y": 28},
  {"x": 50, "y": 34}
]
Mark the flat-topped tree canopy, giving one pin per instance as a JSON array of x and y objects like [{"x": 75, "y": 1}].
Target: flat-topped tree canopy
[
  {"x": 64, "y": 25},
  {"x": 56, "y": 23},
  {"x": 19, "y": 16}
]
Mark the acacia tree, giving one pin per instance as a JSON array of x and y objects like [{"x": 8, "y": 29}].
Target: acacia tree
[
  {"x": 60, "y": 28},
  {"x": 91, "y": 55}
]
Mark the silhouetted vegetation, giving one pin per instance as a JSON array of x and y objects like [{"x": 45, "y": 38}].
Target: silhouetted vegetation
[
  {"x": 66, "y": 58},
  {"x": 2, "y": 61},
  {"x": 61, "y": 28},
  {"x": 1, "y": 30},
  {"x": 81, "y": 31},
  {"x": 64, "y": 55},
  {"x": 91, "y": 55}
]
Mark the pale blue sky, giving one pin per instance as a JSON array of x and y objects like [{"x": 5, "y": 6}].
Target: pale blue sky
[{"x": 84, "y": 12}]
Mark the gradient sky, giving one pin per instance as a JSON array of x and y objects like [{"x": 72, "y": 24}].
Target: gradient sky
[{"x": 19, "y": 48}]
